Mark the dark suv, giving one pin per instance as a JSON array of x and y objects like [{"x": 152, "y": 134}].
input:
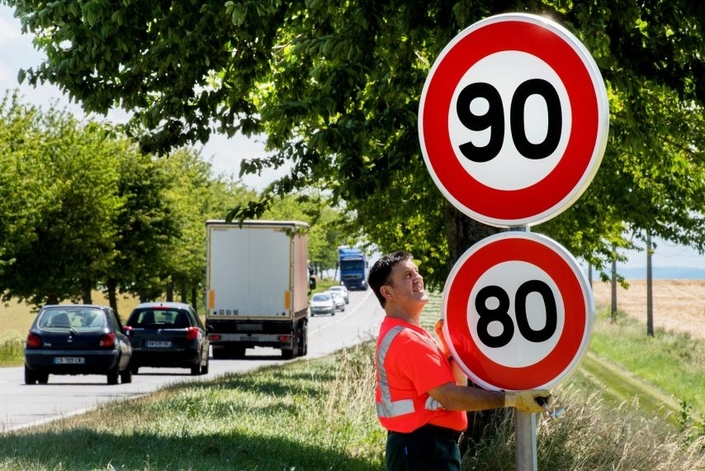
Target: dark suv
[{"x": 167, "y": 334}]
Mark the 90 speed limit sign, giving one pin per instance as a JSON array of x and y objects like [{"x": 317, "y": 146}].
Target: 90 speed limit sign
[
  {"x": 513, "y": 120},
  {"x": 518, "y": 312}
]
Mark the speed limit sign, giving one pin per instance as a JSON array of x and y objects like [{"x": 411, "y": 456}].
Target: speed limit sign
[
  {"x": 518, "y": 312},
  {"x": 513, "y": 120}
]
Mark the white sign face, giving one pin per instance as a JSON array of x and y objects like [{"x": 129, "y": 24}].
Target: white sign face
[
  {"x": 513, "y": 120},
  {"x": 518, "y": 312}
]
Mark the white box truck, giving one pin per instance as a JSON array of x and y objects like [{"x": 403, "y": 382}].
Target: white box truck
[{"x": 257, "y": 287}]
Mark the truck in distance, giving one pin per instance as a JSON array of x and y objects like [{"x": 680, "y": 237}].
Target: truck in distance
[
  {"x": 353, "y": 268},
  {"x": 257, "y": 287}
]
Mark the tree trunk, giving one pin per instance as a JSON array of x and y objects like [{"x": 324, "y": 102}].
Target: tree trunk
[
  {"x": 194, "y": 298},
  {"x": 170, "y": 291},
  {"x": 613, "y": 311},
  {"x": 649, "y": 288},
  {"x": 184, "y": 291},
  {"x": 463, "y": 232},
  {"x": 111, "y": 286},
  {"x": 86, "y": 288}
]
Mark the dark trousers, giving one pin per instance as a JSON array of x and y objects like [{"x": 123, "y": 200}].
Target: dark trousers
[{"x": 428, "y": 448}]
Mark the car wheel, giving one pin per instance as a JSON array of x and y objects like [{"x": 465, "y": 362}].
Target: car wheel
[
  {"x": 29, "y": 376},
  {"x": 126, "y": 376},
  {"x": 42, "y": 378},
  {"x": 113, "y": 374},
  {"x": 135, "y": 369},
  {"x": 196, "y": 369}
]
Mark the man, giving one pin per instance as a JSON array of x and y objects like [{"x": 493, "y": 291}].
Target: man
[{"x": 421, "y": 394}]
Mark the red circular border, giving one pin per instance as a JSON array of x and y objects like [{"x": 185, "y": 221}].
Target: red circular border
[
  {"x": 452, "y": 177},
  {"x": 460, "y": 285}
]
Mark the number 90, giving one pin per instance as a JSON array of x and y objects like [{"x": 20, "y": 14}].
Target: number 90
[{"x": 493, "y": 120}]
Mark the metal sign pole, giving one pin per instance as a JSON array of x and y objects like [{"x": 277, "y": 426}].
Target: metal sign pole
[
  {"x": 524, "y": 425},
  {"x": 525, "y": 441}
]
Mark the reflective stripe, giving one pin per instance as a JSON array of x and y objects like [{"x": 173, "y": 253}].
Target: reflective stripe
[
  {"x": 432, "y": 404},
  {"x": 388, "y": 408}
]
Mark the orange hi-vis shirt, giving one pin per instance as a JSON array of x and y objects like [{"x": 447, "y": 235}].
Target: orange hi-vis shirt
[{"x": 409, "y": 363}]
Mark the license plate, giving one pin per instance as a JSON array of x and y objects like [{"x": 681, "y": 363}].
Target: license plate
[
  {"x": 250, "y": 338},
  {"x": 69, "y": 360},
  {"x": 158, "y": 344}
]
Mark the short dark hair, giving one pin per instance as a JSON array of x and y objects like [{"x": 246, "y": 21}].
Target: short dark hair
[{"x": 382, "y": 268}]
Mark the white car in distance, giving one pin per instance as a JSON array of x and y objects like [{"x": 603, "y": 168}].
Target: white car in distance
[{"x": 343, "y": 291}]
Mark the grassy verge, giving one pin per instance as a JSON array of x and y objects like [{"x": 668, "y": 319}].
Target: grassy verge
[
  {"x": 666, "y": 373},
  {"x": 319, "y": 415}
]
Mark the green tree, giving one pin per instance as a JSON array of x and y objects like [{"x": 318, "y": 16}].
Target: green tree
[
  {"x": 327, "y": 225},
  {"x": 146, "y": 228},
  {"x": 73, "y": 171},
  {"x": 335, "y": 86},
  {"x": 194, "y": 196},
  {"x": 23, "y": 192}
]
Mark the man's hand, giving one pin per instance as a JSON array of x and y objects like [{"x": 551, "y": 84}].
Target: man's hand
[
  {"x": 439, "y": 334},
  {"x": 526, "y": 401}
]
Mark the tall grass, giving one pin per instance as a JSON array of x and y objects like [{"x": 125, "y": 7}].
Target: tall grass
[
  {"x": 309, "y": 415},
  {"x": 669, "y": 362},
  {"x": 319, "y": 415},
  {"x": 11, "y": 351}
]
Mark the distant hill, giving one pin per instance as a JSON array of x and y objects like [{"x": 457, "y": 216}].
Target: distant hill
[{"x": 663, "y": 273}]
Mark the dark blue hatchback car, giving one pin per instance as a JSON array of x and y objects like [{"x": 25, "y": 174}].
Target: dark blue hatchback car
[
  {"x": 168, "y": 334},
  {"x": 77, "y": 339}
]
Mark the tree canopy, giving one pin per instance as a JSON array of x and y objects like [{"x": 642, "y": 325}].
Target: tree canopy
[
  {"x": 83, "y": 209},
  {"x": 335, "y": 87}
]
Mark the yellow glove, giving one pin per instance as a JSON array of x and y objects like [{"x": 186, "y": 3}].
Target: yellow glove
[
  {"x": 526, "y": 401},
  {"x": 439, "y": 334}
]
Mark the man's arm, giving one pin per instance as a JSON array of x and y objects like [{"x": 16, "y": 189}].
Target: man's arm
[{"x": 454, "y": 397}]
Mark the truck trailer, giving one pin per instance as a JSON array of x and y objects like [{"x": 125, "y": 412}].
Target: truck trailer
[{"x": 257, "y": 287}]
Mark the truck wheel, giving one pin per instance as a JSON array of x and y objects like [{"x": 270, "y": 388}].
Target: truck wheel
[
  {"x": 303, "y": 341},
  {"x": 287, "y": 354}
]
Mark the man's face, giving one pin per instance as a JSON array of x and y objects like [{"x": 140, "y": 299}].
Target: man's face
[{"x": 406, "y": 285}]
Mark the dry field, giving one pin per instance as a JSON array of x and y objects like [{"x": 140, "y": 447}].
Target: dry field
[
  {"x": 16, "y": 318},
  {"x": 678, "y": 305}
]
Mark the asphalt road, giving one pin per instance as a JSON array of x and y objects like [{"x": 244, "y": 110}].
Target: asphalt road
[{"x": 26, "y": 405}]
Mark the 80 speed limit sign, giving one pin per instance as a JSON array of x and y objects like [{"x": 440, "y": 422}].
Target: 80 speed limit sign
[
  {"x": 518, "y": 312},
  {"x": 513, "y": 120}
]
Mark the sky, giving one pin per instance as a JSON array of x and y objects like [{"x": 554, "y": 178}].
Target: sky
[{"x": 16, "y": 52}]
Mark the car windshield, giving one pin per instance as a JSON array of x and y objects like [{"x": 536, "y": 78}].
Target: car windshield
[
  {"x": 159, "y": 319},
  {"x": 79, "y": 320},
  {"x": 320, "y": 297}
]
